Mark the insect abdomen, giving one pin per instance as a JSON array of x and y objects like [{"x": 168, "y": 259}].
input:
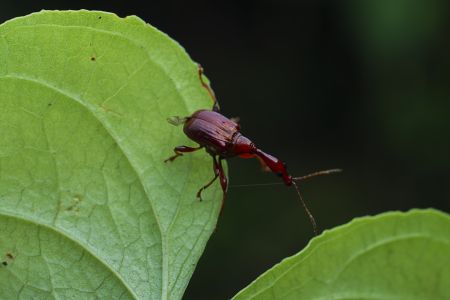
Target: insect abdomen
[{"x": 211, "y": 130}]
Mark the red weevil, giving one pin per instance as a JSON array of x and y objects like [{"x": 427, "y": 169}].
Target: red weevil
[{"x": 221, "y": 138}]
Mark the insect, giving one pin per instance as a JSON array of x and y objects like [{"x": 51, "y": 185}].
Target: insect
[{"x": 222, "y": 139}]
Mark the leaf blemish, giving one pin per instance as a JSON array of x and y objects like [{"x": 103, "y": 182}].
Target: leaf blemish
[
  {"x": 76, "y": 201},
  {"x": 10, "y": 256},
  {"x": 93, "y": 58},
  {"x": 5, "y": 263}
]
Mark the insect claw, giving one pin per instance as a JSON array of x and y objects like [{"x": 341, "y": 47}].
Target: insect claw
[
  {"x": 172, "y": 158},
  {"x": 199, "y": 195}
]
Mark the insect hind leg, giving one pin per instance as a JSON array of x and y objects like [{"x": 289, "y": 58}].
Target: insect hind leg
[{"x": 216, "y": 106}]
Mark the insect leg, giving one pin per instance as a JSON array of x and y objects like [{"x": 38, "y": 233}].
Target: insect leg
[
  {"x": 180, "y": 150},
  {"x": 264, "y": 166},
  {"x": 216, "y": 106},
  {"x": 216, "y": 169},
  {"x": 223, "y": 177},
  {"x": 223, "y": 183}
]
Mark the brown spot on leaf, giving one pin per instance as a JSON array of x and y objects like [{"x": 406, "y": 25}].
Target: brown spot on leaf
[{"x": 76, "y": 201}]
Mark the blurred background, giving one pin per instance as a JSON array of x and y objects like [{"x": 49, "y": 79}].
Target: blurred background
[{"x": 359, "y": 85}]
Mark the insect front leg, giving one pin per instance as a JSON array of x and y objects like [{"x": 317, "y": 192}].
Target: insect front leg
[
  {"x": 264, "y": 166},
  {"x": 180, "y": 150},
  {"x": 216, "y": 168}
]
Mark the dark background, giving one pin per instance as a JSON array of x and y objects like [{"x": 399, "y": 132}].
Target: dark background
[{"x": 360, "y": 85}]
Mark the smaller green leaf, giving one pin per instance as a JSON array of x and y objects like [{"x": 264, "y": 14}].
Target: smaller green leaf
[{"x": 390, "y": 256}]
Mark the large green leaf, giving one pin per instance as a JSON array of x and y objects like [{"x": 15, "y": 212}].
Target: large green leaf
[
  {"x": 88, "y": 209},
  {"x": 391, "y": 256}
]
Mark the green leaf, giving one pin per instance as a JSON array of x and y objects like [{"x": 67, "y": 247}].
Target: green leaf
[
  {"x": 390, "y": 256},
  {"x": 88, "y": 207}
]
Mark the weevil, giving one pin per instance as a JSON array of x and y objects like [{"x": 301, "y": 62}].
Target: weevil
[{"x": 221, "y": 137}]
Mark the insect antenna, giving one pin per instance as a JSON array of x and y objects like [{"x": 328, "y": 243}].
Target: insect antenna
[
  {"x": 294, "y": 179},
  {"x": 305, "y": 207},
  {"x": 318, "y": 173}
]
